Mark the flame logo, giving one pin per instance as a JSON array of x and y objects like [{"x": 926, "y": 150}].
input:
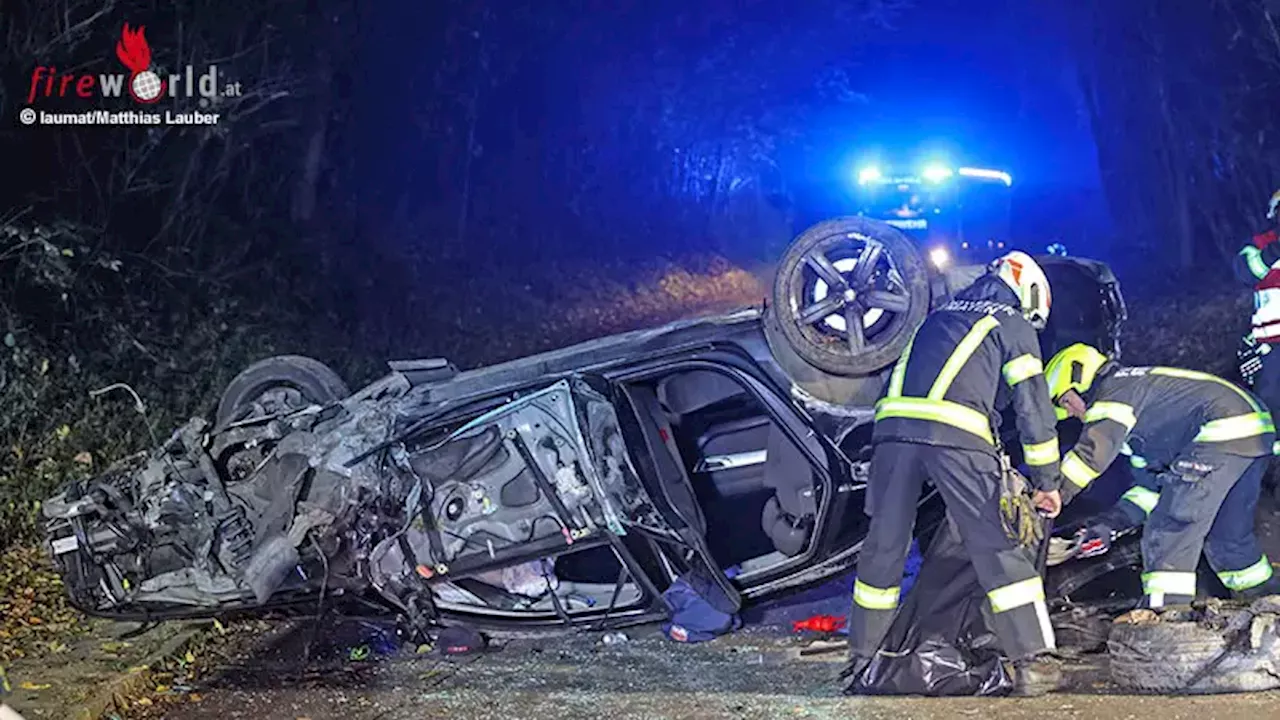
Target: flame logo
[
  {"x": 132, "y": 49},
  {"x": 144, "y": 85}
]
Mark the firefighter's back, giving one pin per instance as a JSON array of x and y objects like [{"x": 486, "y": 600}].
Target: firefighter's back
[
  {"x": 943, "y": 389},
  {"x": 1176, "y": 407}
]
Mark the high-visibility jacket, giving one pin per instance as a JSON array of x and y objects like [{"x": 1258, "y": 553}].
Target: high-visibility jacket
[
  {"x": 969, "y": 360},
  {"x": 1154, "y": 414},
  {"x": 1258, "y": 264}
]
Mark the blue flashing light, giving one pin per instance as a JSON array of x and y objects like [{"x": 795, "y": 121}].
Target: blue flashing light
[
  {"x": 987, "y": 175},
  {"x": 869, "y": 175},
  {"x": 937, "y": 173}
]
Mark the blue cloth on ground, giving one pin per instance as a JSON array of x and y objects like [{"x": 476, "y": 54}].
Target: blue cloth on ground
[{"x": 700, "y": 609}]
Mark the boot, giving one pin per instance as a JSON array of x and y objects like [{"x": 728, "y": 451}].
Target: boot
[
  {"x": 853, "y": 670},
  {"x": 1270, "y": 587},
  {"x": 1037, "y": 675}
]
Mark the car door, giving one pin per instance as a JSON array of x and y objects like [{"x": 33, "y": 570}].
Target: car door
[{"x": 652, "y": 447}]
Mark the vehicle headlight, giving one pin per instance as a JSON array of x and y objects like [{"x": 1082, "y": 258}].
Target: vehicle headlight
[
  {"x": 940, "y": 257},
  {"x": 869, "y": 175}
]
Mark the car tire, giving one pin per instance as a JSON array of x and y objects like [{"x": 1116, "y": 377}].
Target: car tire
[
  {"x": 313, "y": 381},
  {"x": 1238, "y": 651},
  {"x": 1161, "y": 656},
  {"x": 844, "y": 272}
]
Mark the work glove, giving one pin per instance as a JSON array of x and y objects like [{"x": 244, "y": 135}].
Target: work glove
[
  {"x": 1022, "y": 523},
  {"x": 1062, "y": 550},
  {"x": 1094, "y": 540}
]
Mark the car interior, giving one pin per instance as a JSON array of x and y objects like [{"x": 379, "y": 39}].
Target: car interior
[
  {"x": 751, "y": 492},
  {"x": 574, "y": 583}
]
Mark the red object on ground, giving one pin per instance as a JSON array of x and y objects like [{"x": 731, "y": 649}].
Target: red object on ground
[{"x": 819, "y": 623}]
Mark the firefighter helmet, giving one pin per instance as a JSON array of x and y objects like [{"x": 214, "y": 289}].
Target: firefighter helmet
[
  {"x": 1073, "y": 368},
  {"x": 1028, "y": 280},
  {"x": 1273, "y": 207}
]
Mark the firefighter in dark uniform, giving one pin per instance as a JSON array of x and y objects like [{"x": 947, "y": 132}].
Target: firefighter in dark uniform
[
  {"x": 1202, "y": 444},
  {"x": 1258, "y": 266},
  {"x": 939, "y": 420}
]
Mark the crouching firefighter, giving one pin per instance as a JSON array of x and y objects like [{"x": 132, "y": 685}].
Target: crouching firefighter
[
  {"x": 1202, "y": 443},
  {"x": 938, "y": 420}
]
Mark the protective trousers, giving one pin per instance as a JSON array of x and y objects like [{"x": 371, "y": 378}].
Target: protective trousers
[
  {"x": 969, "y": 482},
  {"x": 1207, "y": 502}
]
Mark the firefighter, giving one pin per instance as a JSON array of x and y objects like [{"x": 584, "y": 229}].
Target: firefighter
[
  {"x": 1258, "y": 265},
  {"x": 1201, "y": 444},
  {"x": 939, "y": 419}
]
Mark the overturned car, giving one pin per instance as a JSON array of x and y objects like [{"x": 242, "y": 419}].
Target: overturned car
[{"x": 566, "y": 489}]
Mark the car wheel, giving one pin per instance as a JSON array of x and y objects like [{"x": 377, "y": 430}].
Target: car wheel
[
  {"x": 1161, "y": 656},
  {"x": 848, "y": 294},
  {"x": 1221, "y": 648},
  {"x": 279, "y": 384}
]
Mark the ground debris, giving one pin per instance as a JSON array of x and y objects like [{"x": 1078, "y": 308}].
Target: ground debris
[
  {"x": 1140, "y": 616},
  {"x": 35, "y": 618}
]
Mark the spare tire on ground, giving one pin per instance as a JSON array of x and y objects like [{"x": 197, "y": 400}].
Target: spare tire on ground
[
  {"x": 848, "y": 295},
  {"x": 1202, "y": 652}
]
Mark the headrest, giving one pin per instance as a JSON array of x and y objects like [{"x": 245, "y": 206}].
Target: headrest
[{"x": 694, "y": 390}]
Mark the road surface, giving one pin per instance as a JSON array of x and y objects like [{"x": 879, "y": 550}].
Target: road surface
[{"x": 754, "y": 674}]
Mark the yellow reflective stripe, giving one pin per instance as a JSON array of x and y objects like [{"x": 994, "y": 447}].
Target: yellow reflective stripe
[
  {"x": 1206, "y": 377},
  {"x": 874, "y": 598},
  {"x": 1135, "y": 460},
  {"x": 1236, "y": 428},
  {"x": 900, "y": 369},
  {"x": 1077, "y": 471},
  {"x": 1015, "y": 595},
  {"x": 940, "y": 411},
  {"x": 1045, "y": 453},
  {"x": 1108, "y": 410},
  {"x": 1253, "y": 258},
  {"x": 1021, "y": 368},
  {"x": 1145, "y": 498},
  {"x": 1250, "y": 577},
  {"x": 964, "y": 350},
  {"x": 1169, "y": 583}
]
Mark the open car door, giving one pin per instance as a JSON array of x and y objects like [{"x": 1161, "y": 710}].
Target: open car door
[{"x": 653, "y": 447}]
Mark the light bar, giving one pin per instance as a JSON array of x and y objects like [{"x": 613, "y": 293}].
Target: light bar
[
  {"x": 936, "y": 173},
  {"x": 987, "y": 175}
]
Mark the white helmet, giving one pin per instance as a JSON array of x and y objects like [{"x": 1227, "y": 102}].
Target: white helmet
[
  {"x": 1273, "y": 207},
  {"x": 1028, "y": 280}
]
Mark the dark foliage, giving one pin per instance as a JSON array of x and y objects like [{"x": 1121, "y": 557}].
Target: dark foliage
[{"x": 485, "y": 179}]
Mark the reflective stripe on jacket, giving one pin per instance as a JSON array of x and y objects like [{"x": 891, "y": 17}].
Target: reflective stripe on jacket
[
  {"x": 1258, "y": 264},
  {"x": 970, "y": 358},
  {"x": 1152, "y": 414}
]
